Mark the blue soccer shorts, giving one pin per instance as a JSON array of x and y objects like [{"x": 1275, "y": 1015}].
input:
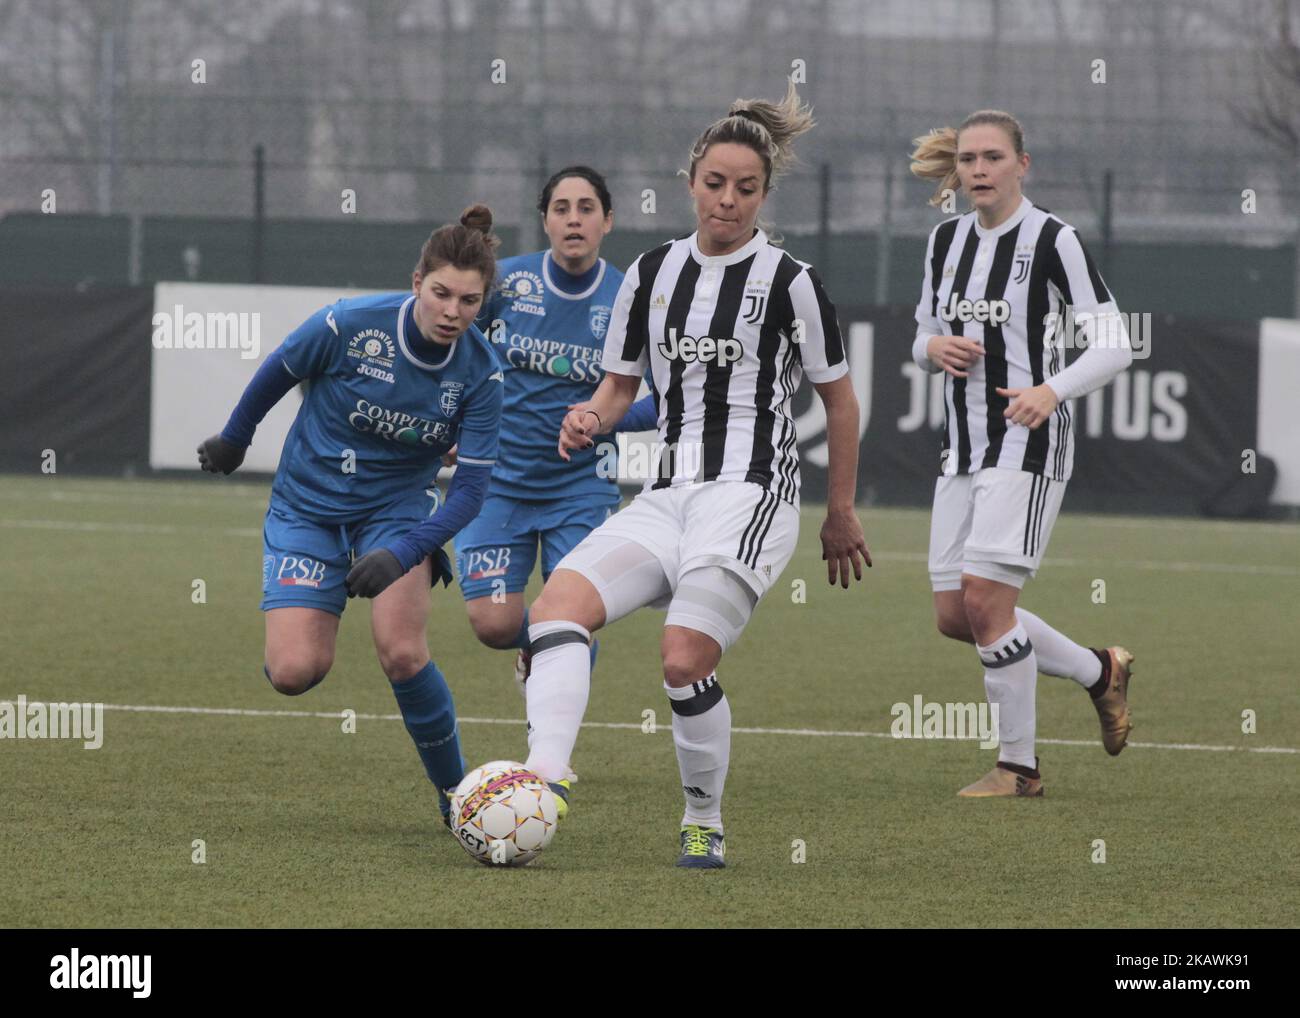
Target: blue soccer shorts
[
  {"x": 496, "y": 552},
  {"x": 305, "y": 562}
]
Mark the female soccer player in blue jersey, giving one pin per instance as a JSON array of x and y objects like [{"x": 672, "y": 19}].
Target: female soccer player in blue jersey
[
  {"x": 998, "y": 281},
  {"x": 547, "y": 323},
  {"x": 395, "y": 381}
]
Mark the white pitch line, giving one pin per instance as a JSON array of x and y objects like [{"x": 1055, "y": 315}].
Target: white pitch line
[
  {"x": 1144, "y": 565},
  {"x": 626, "y": 725}
]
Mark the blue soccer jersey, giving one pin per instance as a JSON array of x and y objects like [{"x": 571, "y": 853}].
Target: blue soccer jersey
[
  {"x": 549, "y": 342},
  {"x": 382, "y": 406}
]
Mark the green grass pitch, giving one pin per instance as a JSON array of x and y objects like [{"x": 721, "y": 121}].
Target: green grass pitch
[{"x": 304, "y": 824}]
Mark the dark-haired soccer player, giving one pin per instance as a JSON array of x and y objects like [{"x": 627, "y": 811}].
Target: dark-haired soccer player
[
  {"x": 547, "y": 322},
  {"x": 396, "y": 380}
]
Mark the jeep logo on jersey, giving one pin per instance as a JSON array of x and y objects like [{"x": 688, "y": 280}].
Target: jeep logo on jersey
[
  {"x": 995, "y": 312},
  {"x": 399, "y": 426},
  {"x": 449, "y": 396},
  {"x": 598, "y": 317},
  {"x": 724, "y": 350}
]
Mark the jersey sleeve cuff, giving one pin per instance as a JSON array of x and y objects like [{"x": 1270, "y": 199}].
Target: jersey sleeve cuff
[{"x": 830, "y": 374}]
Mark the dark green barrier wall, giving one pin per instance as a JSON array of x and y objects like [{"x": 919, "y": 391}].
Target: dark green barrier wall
[{"x": 1214, "y": 280}]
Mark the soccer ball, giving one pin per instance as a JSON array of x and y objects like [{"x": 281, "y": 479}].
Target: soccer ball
[{"x": 503, "y": 814}]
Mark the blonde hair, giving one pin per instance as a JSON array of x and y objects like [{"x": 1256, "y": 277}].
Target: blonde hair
[
  {"x": 768, "y": 128},
  {"x": 935, "y": 154}
]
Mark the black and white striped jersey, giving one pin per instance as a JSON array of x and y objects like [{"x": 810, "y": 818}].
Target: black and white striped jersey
[
  {"x": 727, "y": 339},
  {"x": 1008, "y": 288}
]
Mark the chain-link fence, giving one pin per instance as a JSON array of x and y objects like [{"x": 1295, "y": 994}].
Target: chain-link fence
[{"x": 1138, "y": 116}]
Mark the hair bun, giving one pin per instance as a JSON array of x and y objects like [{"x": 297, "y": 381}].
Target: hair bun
[{"x": 477, "y": 217}]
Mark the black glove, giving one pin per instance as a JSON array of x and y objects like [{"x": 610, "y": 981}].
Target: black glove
[
  {"x": 217, "y": 456},
  {"x": 372, "y": 573}
]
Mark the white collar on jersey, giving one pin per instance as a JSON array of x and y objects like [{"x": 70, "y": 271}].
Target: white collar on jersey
[
  {"x": 1011, "y": 222},
  {"x": 406, "y": 350},
  {"x": 756, "y": 242},
  {"x": 546, "y": 274}
]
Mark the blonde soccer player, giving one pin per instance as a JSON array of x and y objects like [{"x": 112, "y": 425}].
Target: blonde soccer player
[
  {"x": 1002, "y": 284},
  {"x": 727, "y": 323}
]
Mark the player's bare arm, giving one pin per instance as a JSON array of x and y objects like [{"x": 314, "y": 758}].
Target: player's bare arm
[
  {"x": 843, "y": 542},
  {"x": 954, "y": 354},
  {"x": 599, "y": 414}
]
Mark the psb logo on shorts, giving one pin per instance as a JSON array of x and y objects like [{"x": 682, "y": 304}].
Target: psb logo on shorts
[
  {"x": 297, "y": 571},
  {"x": 449, "y": 397},
  {"x": 484, "y": 563},
  {"x": 598, "y": 317}
]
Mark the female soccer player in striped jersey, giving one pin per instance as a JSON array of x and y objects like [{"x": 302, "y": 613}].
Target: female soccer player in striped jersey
[
  {"x": 727, "y": 323},
  {"x": 998, "y": 283},
  {"x": 546, "y": 322},
  {"x": 396, "y": 380}
]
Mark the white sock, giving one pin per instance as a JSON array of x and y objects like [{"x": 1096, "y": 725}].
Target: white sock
[
  {"x": 1057, "y": 654},
  {"x": 1011, "y": 681},
  {"x": 557, "y": 690},
  {"x": 702, "y": 735}
]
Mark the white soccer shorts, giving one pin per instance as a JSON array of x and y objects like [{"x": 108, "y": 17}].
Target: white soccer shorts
[
  {"x": 993, "y": 523},
  {"x": 732, "y": 538}
]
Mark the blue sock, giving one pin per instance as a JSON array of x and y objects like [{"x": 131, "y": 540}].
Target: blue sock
[
  {"x": 595, "y": 646},
  {"x": 521, "y": 637},
  {"x": 430, "y": 716}
]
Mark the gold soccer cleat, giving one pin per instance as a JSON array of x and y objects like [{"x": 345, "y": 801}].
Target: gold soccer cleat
[
  {"x": 1002, "y": 782},
  {"x": 1112, "y": 705}
]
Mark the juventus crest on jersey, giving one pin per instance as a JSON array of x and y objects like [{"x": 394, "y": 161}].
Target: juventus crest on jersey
[
  {"x": 1008, "y": 289},
  {"x": 727, "y": 339}
]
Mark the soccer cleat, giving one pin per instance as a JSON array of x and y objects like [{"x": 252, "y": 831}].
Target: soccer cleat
[
  {"x": 1112, "y": 705},
  {"x": 523, "y": 667},
  {"x": 702, "y": 848},
  {"x": 561, "y": 790},
  {"x": 444, "y": 807},
  {"x": 1002, "y": 782}
]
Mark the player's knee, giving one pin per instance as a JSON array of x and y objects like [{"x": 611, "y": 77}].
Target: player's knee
[
  {"x": 974, "y": 600},
  {"x": 295, "y": 677},
  {"x": 402, "y": 661},
  {"x": 688, "y": 656},
  {"x": 551, "y": 606},
  {"x": 681, "y": 669},
  {"x": 568, "y": 597},
  {"x": 953, "y": 625},
  {"x": 496, "y": 629}
]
